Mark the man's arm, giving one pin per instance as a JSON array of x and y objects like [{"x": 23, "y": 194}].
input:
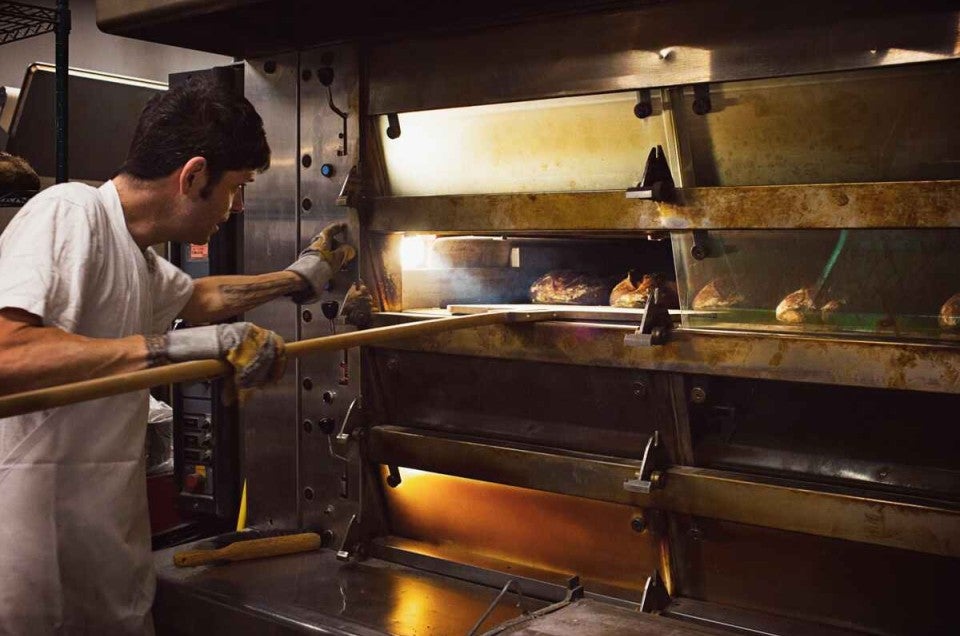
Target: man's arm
[
  {"x": 33, "y": 356},
  {"x": 217, "y": 298}
]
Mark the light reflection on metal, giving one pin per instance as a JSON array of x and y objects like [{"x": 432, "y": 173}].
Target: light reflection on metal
[
  {"x": 573, "y": 143},
  {"x": 480, "y": 520},
  {"x": 414, "y": 250}
]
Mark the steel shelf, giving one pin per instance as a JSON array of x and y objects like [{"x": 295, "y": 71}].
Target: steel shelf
[
  {"x": 19, "y": 21},
  {"x": 14, "y": 199}
]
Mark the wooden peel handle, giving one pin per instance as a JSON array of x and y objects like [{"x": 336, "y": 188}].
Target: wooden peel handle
[
  {"x": 252, "y": 549},
  {"x": 195, "y": 370}
]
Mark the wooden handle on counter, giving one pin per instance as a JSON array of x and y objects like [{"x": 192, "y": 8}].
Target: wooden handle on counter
[
  {"x": 252, "y": 549},
  {"x": 195, "y": 370}
]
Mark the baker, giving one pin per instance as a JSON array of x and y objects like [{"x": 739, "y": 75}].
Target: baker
[{"x": 82, "y": 294}]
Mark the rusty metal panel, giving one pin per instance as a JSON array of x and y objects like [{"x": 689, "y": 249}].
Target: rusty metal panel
[
  {"x": 862, "y": 126},
  {"x": 912, "y": 204},
  {"x": 890, "y": 365},
  {"x": 596, "y": 410},
  {"x": 665, "y": 45},
  {"x": 933, "y": 528},
  {"x": 843, "y": 583},
  {"x": 463, "y": 520}
]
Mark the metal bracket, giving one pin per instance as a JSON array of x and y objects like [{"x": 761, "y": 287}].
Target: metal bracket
[
  {"x": 351, "y": 545},
  {"x": 348, "y": 191},
  {"x": 657, "y": 182},
  {"x": 393, "y": 478},
  {"x": 393, "y": 126},
  {"x": 701, "y": 245},
  {"x": 655, "y": 597},
  {"x": 650, "y": 475},
  {"x": 701, "y": 99},
  {"x": 644, "y": 106},
  {"x": 656, "y": 323},
  {"x": 325, "y": 75}
]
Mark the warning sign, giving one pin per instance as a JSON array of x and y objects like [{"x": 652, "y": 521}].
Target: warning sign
[{"x": 198, "y": 252}]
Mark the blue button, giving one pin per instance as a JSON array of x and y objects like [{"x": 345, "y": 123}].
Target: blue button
[{"x": 326, "y": 170}]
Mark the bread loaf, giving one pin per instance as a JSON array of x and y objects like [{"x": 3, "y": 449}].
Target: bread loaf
[
  {"x": 720, "y": 293},
  {"x": 564, "y": 287},
  {"x": 16, "y": 175},
  {"x": 634, "y": 290},
  {"x": 798, "y": 307},
  {"x": 950, "y": 313}
]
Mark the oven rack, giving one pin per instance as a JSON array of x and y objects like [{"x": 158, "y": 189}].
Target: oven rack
[{"x": 18, "y": 21}]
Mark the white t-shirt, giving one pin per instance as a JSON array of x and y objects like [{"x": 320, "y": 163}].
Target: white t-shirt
[{"x": 74, "y": 535}]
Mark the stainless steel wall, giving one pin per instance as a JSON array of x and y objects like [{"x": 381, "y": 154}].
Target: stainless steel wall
[{"x": 293, "y": 465}]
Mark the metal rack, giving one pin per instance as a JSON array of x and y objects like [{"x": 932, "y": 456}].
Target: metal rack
[{"x": 19, "y": 21}]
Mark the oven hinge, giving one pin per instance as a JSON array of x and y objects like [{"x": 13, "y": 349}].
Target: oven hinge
[
  {"x": 650, "y": 475},
  {"x": 657, "y": 182},
  {"x": 656, "y": 323}
]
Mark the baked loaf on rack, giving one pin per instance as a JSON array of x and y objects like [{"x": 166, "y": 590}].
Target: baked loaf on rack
[
  {"x": 634, "y": 290},
  {"x": 565, "y": 287},
  {"x": 950, "y": 313},
  {"x": 720, "y": 293},
  {"x": 798, "y": 307},
  {"x": 16, "y": 175}
]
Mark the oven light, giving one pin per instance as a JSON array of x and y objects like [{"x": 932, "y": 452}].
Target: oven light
[{"x": 414, "y": 249}]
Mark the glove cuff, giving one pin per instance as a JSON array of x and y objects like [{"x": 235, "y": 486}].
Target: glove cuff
[
  {"x": 195, "y": 343},
  {"x": 314, "y": 268}
]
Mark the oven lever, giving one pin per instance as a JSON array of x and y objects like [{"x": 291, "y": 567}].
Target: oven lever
[
  {"x": 651, "y": 474},
  {"x": 657, "y": 181},
  {"x": 656, "y": 323},
  {"x": 348, "y": 191},
  {"x": 655, "y": 596}
]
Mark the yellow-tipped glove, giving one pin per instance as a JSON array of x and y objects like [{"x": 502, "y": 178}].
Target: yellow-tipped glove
[
  {"x": 319, "y": 261},
  {"x": 357, "y": 307},
  {"x": 258, "y": 355}
]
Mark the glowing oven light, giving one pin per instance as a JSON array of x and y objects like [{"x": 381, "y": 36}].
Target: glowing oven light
[{"x": 414, "y": 249}]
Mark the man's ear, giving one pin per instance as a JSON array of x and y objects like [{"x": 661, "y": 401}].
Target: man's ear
[{"x": 193, "y": 177}]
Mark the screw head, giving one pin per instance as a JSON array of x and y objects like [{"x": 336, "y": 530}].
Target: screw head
[
  {"x": 698, "y": 395},
  {"x": 657, "y": 479},
  {"x": 638, "y": 524},
  {"x": 308, "y": 494}
]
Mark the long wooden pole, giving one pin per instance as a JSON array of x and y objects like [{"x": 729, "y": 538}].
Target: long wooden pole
[{"x": 51, "y": 397}]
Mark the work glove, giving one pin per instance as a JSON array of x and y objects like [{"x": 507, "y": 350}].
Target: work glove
[
  {"x": 357, "y": 307},
  {"x": 258, "y": 355},
  {"x": 319, "y": 261}
]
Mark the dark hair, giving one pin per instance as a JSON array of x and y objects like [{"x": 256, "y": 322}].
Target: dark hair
[{"x": 199, "y": 118}]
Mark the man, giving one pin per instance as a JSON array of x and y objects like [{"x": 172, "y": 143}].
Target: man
[{"x": 83, "y": 295}]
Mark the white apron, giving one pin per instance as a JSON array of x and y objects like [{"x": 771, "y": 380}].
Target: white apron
[{"x": 74, "y": 530}]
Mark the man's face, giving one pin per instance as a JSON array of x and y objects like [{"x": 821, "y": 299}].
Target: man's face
[{"x": 208, "y": 212}]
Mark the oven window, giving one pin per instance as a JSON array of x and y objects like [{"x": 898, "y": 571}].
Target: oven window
[{"x": 888, "y": 283}]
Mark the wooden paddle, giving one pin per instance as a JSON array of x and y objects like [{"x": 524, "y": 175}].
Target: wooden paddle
[{"x": 51, "y": 397}]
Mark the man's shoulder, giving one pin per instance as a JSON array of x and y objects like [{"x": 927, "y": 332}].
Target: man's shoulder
[
  {"x": 65, "y": 204},
  {"x": 74, "y": 194}
]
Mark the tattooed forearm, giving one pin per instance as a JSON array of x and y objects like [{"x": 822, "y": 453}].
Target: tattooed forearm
[
  {"x": 247, "y": 295},
  {"x": 157, "y": 351},
  {"x": 216, "y": 298}
]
